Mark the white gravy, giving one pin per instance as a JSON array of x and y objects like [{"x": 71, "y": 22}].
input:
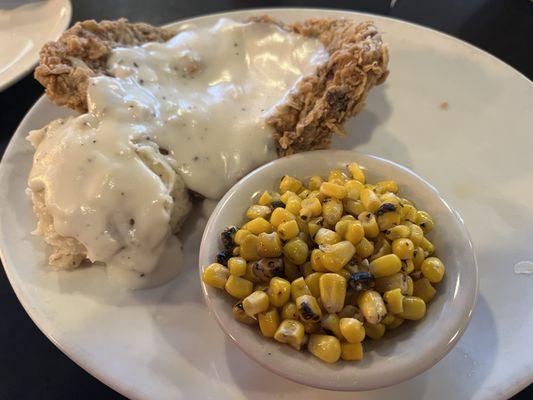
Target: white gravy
[{"x": 202, "y": 97}]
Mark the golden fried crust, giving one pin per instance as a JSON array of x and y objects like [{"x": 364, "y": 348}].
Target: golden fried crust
[{"x": 81, "y": 52}]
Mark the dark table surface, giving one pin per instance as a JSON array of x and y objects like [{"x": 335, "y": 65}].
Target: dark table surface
[{"x": 30, "y": 366}]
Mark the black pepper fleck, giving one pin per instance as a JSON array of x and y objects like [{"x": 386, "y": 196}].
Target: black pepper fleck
[
  {"x": 132, "y": 222},
  {"x": 141, "y": 81},
  {"x": 135, "y": 65},
  {"x": 195, "y": 158}
]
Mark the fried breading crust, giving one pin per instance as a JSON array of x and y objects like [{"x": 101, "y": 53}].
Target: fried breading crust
[{"x": 318, "y": 106}]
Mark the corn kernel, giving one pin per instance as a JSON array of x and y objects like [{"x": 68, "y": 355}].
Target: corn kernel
[
  {"x": 326, "y": 236},
  {"x": 294, "y": 205},
  {"x": 312, "y": 282},
  {"x": 266, "y": 199},
  {"x": 249, "y": 248},
  {"x": 334, "y": 190},
  {"x": 299, "y": 288},
  {"x": 240, "y": 235},
  {"x": 269, "y": 245},
  {"x": 356, "y": 172},
  {"x": 257, "y": 211},
  {"x": 238, "y": 287},
  {"x": 269, "y": 322},
  {"x": 351, "y": 351},
  {"x": 325, "y": 347},
  {"x": 428, "y": 247},
  {"x": 258, "y": 225},
  {"x": 395, "y": 323},
  {"x": 385, "y": 266},
  {"x": 279, "y": 291},
  {"x": 374, "y": 331},
  {"x": 331, "y": 211},
  {"x": 308, "y": 309},
  {"x": 289, "y": 183},
  {"x": 389, "y": 197},
  {"x": 288, "y": 230},
  {"x": 414, "y": 308},
  {"x": 336, "y": 256},
  {"x": 330, "y": 322},
  {"x": 348, "y": 311},
  {"x": 418, "y": 257},
  {"x": 279, "y": 216},
  {"x": 394, "y": 299},
  {"x": 386, "y": 283},
  {"x": 316, "y": 264},
  {"x": 290, "y": 332},
  {"x": 353, "y": 189},
  {"x": 310, "y": 208},
  {"x": 403, "y": 248},
  {"x": 352, "y": 330},
  {"x": 255, "y": 303},
  {"x": 408, "y": 266},
  {"x": 386, "y": 186},
  {"x": 424, "y": 289},
  {"x": 304, "y": 193},
  {"x": 238, "y": 314},
  {"x": 424, "y": 220},
  {"x": 408, "y": 212},
  {"x": 370, "y": 200},
  {"x": 397, "y": 232},
  {"x": 315, "y": 182},
  {"x": 289, "y": 311},
  {"x": 353, "y": 207},
  {"x": 286, "y": 196},
  {"x": 237, "y": 266},
  {"x": 410, "y": 286},
  {"x": 332, "y": 292},
  {"x": 382, "y": 247},
  {"x": 249, "y": 275},
  {"x": 336, "y": 175},
  {"x": 433, "y": 269},
  {"x": 292, "y": 271},
  {"x": 388, "y": 219},
  {"x": 372, "y": 306},
  {"x": 370, "y": 225},
  {"x": 215, "y": 275},
  {"x": 296, "y": 250},
  {"x": 364, "y": 248}
]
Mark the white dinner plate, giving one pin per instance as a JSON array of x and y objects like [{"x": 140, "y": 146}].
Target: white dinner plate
[
  {"x": 25, "y": 25},
  {"x": 451, "y": 112}
]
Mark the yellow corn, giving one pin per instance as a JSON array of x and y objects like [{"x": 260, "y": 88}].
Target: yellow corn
[
  {"x": 348, "y": 311},
  {"x": 288, "y": 230},
  {"x": 424, "y": 220},
  {"x": 417, "y": 235},
  {"x": 269, "y": 245},
  {"x": 312, "y": 282},
  {"x": 386, "y": 283},
  {"x": 286, "y": 196},
  {"x": 279, "y": 291},
  {"x": 389, "y": 197},
  {"x": 394, "y": 299},
  {"x": 352, "y": 330},
  {"x": 403, "y": 248},
  {"x": 336, "y": 175},
  {"x": 237, "y": 266},
  {"x": 351, "y": 351},
  {"x": 388, "y": 220},
  {"x": 356, "y": 172},
  {"x": 410, "y": 286},
  {"x": 216, "y": 275},
  {"x": 353, "y": 189},
  {"x": 266, "y": 199},
  {"x": 353, "y": 207},
  {"x": 326, "y": 236},
  {"x": 299, "y": 288},
  {"x": 336, "y": 256},
  {"x": 372, "y": 306},
  {"x": 269, "y": 322},
  {"x": 289, "y": 183},
  {"x": 386, "y": 186},
  {"x": 257, "y": 211},
  {"x": 238, "y": 314},
  {"x": 433, "y": 269},
  {"x": 414, "y": 308},
  {"x": 331, "y": 322},
  {"x": 249, "y": 248},
  {"x": 325, "y": 347},
  {"x": 364, "y": 248},
  {"x": 249, "y": 275},
  {"x": 332, "y": 292},
  {"x": 418, "y": 257},
  {"x": 296, "y": 250},
  {"x": 370, "y": 225},
  {"x": 382, "y": 247},
  {"x": 279, "y": 216},
  {"x": 310, "y": 208},
  {"x": 290, "y": 332},
  {"x": 240, "y": 235},
  {"x": 315, "y": 182},
  {"x": 424, "y": 289},
  {"x": 385, "y": 266},
  {"x": 331, "y": 211},
  {"x": 238, "y": 287},
  {"x": 395, "y": 323},
  {"x": 408, "y": 266},
  {"x": 316, "y": 194},
  {"x": 236, "y": 251},
  {"x": 304, "y": 193},
  {"x": 370, "y": 200},
  {"x": 289, "y": 311},
  {"x": 354, "y": 232},
  {"x": 428, "y": 247},
  {"x": 335, "y": 190},
  {"x": 314, "y": 225},
  {"x": 294, "y": 205},
  {"x": 408, "y": 212},
  {"x": 374, "y": 331},
  {"x": 255, "y": 303},
  {"x": 308, "y": 309},
  {"x": 258, "y": 225},
  {"x": 292, "y": 271}
]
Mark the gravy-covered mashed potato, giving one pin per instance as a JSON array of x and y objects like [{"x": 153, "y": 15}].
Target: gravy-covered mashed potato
[{"x": 111, "y": 185}]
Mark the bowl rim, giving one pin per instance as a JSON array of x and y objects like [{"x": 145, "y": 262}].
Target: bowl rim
[{"x": 423, "y": 364}]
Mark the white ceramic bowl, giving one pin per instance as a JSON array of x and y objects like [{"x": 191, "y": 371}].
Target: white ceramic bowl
[{"x": 401, "y": 354}]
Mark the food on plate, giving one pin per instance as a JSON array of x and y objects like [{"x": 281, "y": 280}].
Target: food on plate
[
  {"x": 167, "y": 113},
  {"x": 325, "y": 265}
]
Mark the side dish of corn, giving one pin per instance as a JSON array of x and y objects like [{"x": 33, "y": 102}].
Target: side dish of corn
[{"x": 325, "y": 265}]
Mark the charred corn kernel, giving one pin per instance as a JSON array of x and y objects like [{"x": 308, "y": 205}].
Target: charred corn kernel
[
  {"x": 433, "y": 269},
  {"x": 396, "y": 281},
  {"x": 294, "y": 205},
  {"x": 238, "y": 287},
  {"x": 356, "y": 172},
  {"x": 306, "y": 269},
  {"x": 279, "y": 291},
  {"x": 353, "y": 207},
  {"x": 418, "y": 257},
  {"x": 216, "y": 275},
  {"x": 279, "y": 216},
  {"x": 316, "y": 264},
  {"x": 296, "y": 250},
  {"x": 299, "y": 288},
  {"x": 290, "y": 332},
  {"x": 424, "y": 221},
  {"x": 353, "y": 189},
  {"x": 288, "y": 230},
  {"x": 382, "y": 247},
  {"x": 364, "y": 248},
  {"x": 332, "y": 292},
  {"x": 249, "y": 248},
  {"x": 237, "y": 266},
  {"x": 403, "y": 248},
  {"x": 397, "y": 232},
  {"x": 257, "y": 211},
  {"x": 330, "y": 322},
  {"x": 388, "y": 220},
  {"x": 410, "y": 286},
  {"x": 385, "y": 266},
  {"x": 352, "y": 330},
  {"x": 266, "y": 199},
  {"x": 354, "y": 232},
  {"x": 331, "y": 189},
  {"x": 304, "y": 193},
  {"x": 255, "y": 303},
  {"x": 308, "y": 309},
  {"x": 408, "y": 212},
  {"x": 370, "y": 225},
  {"x": 240, "y": 235},
  {"x": 348, "y": 311},
  {"x": 325, "y": 347},
  {"x": 289, "y": 183},
  {"x": 374, "y": 331},
  {"x": 312, "y": 282},
  {"x": 351, "y": 351},
  {"x": 269, "y": 245},
  {"x": 326, "y": 236},
  {"x": 269, "y": 322},
  {"x": 310, "y": 208},
  {"x": 394, "y": 299},
  {"x": 408, "y": 266},
  {"x": 414, "y": 308},
  {"x": 315, "y": 182},
  {"x": 370, "y": 200},
  {"x": 238, "y": 314},
  {"x": 289, "y": 311},
  {"x": 423, "y": 289},
  {"x": 386, "y": 186},
  {"x": 372, "y": 306},
  {"x": 292, "y": 271},
  {"x": 331, "y": 211},
  {"x": 428, "y": 247},
  {"x": 395, "y": 323},
  {"x": 258, "y": 225},
  {"x": 335, "y": 256}
]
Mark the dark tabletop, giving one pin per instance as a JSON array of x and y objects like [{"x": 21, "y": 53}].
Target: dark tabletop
[{"x": 30, "y": 366}]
